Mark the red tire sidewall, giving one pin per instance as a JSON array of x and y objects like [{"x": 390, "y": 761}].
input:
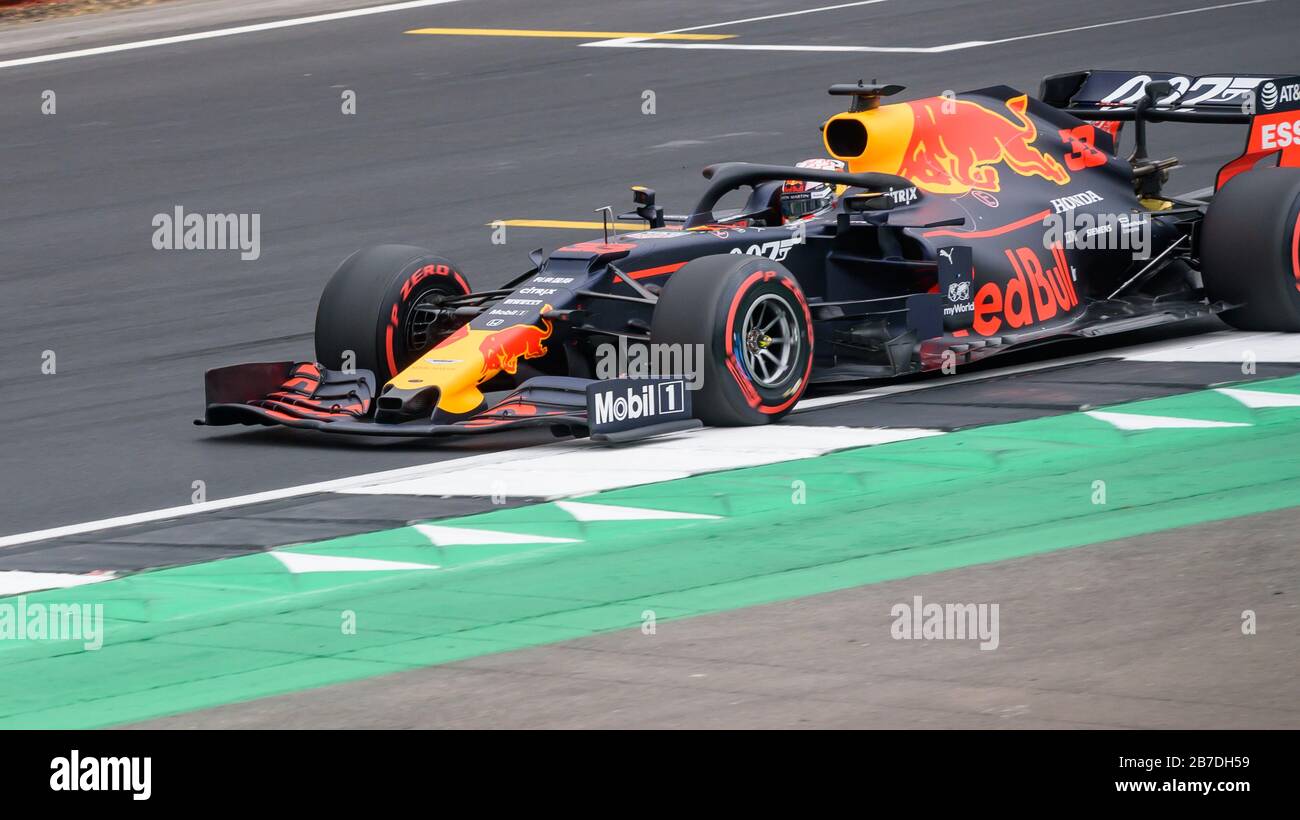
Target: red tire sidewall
[
  {"x": 747, "y": 283},
  {"x": 1292, "y": 247},
  {"x": 417, "y": 278}
]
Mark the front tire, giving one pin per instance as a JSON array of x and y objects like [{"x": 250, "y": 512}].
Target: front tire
[
  {"x": 750, "y": 317},
  {"x": 367, "y": 312},
  {"x": 1250, "y": 249}
]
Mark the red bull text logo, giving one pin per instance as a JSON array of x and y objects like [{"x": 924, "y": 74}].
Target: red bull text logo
[{"x": 1036, "y": 294}]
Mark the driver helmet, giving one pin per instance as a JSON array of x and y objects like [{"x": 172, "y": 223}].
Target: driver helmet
[{"x": 800, "y": 198}]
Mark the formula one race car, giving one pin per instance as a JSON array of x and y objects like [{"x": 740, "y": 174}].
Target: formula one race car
[{"x": 943, "y": 231}]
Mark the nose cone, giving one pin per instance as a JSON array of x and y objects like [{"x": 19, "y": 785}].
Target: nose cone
[
  {"x": 450, "y": 376},
  {"x": 397, "y": 404}
]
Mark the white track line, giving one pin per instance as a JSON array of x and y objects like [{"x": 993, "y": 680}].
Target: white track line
[
  {"x": 335, "y": 485},
  {"x": 533, "y": 471},
  {"x": 622, "y": 40},
  {"x": 1221, "y": 346},
  {"x": 632, "y": 43},
  {"x": 802, "y": 48},
  {"x": 1243, "y": 348},
  {"x": 583, "y": 467},
  {"x": 17, "y": 582},
  {"x": 773, "y": 16},
  {"x": 223, "y": 32}
]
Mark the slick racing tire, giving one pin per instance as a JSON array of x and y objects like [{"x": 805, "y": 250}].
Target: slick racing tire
[
  {"x": 1250, "y": 249},
  {"x": 750, "y": 317},
  {"x": 368, "y": 308}
]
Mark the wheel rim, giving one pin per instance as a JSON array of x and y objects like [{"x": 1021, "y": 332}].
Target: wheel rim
[
  {"x": 770, "y": 340},
  {"x": 426, "y": 322}
]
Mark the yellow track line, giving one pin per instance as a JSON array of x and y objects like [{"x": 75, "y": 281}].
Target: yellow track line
[
  {"x": 575, "y": 35},
  {"x": 567, "y": 224}
]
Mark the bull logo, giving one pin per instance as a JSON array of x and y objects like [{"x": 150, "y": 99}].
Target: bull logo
[
  {"x": 503, "y": 349},
  {"x": 470, "y": 356},
  {"x": 957, "y": 146}
]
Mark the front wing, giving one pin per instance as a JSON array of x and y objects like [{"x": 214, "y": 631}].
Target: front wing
[{"x": 308, "y": 396}]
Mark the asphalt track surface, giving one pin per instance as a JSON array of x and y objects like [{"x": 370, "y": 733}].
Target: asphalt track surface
[{"x": 451, "y": 133}]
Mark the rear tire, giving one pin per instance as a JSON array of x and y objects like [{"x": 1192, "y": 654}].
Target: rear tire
[
  {"x": 751, "y": 318},
  {"x": 366, "y": 308},
  {"x": 1250, "y": 249}
]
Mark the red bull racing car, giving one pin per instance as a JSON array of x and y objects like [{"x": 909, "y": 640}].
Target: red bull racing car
[{"x": 939, "y": 231}]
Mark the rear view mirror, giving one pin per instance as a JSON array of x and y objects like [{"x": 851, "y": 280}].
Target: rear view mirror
[{"x": 644, "y": 199}]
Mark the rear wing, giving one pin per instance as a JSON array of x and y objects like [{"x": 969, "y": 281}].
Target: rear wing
[
  {"x": 1106, "y": 95},
  {"x": 1270, "y": 104}
]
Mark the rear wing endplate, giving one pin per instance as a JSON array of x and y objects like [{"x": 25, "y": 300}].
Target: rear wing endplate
[{"x": 1274, "y": 129}]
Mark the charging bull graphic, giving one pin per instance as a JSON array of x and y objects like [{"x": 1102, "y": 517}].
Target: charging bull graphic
[
  {"x": 503, "y": 349},
  {"x": 945, "y": 145},
  {"x": 470, "y": 356},
  {"x": 957, "y": 145}
]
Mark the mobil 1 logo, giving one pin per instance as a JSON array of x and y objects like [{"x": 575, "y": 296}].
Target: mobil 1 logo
[{"x": 615, "y": 405}]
